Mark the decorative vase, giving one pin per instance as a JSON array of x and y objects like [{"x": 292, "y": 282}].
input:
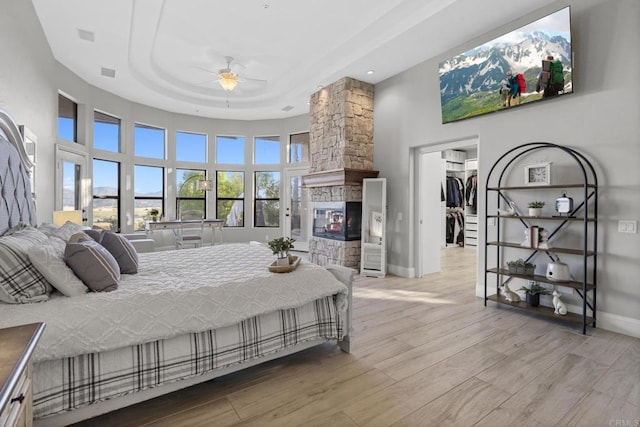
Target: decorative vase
[
  {"x": 535, "y": 211},
  {"x": 533, "y": 300}
]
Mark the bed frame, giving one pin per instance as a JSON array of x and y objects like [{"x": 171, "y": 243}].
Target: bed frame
[{"x": 16, "y": 205}]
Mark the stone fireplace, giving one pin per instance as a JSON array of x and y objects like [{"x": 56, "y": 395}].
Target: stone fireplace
[{"x": 341, "y": 151}]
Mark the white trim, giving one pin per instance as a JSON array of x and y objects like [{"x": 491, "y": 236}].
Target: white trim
[
  {"x": 396, "y": 270},
  {"x": 620, "y": 324}
]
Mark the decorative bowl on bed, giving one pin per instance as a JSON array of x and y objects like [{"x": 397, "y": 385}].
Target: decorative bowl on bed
[{"x": 293, "y": 263}]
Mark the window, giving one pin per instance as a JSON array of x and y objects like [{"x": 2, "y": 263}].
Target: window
[
  {"x": 106, "y": 132},
  {"x": 67, "y": 119},
  {"x": 230, "y": 198},
  {"x": 267, "y": 197},
  {"x": 189, "y": 195},
  {"x": 148, "y": 188},
  {"x": 70, "y": 186},
  {"x": 266, "y": 150},
  {"x": 106, "y": 194},
  {"x": 230, "y": 150},
  {"x": 149, "y": 141},
  {"x": 299, "y": 147},
  {"x": 191, "y": 147}
]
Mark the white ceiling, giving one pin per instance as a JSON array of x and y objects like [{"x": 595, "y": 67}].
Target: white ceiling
[{"x": 166, "y": 53}]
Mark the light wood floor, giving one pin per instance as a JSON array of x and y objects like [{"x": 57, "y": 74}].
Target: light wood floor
[{"x": 426, "y": 352}]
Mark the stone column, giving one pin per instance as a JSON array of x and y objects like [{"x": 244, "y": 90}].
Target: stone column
[{"x": 341, "y": 154}]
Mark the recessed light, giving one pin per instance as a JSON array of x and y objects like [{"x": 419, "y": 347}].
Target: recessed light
[
  {"x": 287, "y": 108},
  {"x": 320, "y": 86},
  {"x": 370, "y": 72}
]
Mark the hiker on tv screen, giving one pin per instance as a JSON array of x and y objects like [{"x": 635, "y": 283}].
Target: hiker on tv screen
[
  {"x": 551, "y": 77},
  {"x": 517, "y": 86}
]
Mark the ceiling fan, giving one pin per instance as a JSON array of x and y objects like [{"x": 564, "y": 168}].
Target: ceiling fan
[{"x": 229, "y": 77}]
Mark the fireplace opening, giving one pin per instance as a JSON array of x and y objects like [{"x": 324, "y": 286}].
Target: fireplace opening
[{"x": 337, "y": 220}]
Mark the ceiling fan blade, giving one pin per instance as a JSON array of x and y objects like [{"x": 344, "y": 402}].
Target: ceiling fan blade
[{"x": 205, "y": 69}]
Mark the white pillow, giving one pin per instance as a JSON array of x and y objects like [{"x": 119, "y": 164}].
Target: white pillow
[{"x": 48, "y": 260}]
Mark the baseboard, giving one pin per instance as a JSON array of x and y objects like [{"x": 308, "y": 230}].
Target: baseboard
[
  {"x": 615, "y": 323},
  {"x": 396, "y": 270}
]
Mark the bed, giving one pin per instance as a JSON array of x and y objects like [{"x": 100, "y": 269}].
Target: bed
[{"x": 185, "y": 317}]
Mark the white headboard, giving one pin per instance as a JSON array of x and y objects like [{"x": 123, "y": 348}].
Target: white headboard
[{"x": 16, "y": 201}]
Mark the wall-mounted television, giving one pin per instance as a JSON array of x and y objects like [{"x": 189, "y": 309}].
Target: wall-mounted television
[{"x": 532, "y": 63}]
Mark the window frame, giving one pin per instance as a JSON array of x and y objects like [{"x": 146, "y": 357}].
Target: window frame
[
  {"x": 179, "y": 187},
  {"x": 257, "y": 199},
  {"x": 242, "y": 199},
  {"x": 117, "y": 197},
  {"x": 74, "y": 112},
  {"x": 161, "y": 198},
  {"x": 137, "y": 125},
  {"x": 272, "y": 138},
  {"x": 119, "y": 124}
]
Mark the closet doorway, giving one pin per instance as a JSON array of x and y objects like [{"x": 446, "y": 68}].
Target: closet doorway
[{"x": 445, "y": 220}]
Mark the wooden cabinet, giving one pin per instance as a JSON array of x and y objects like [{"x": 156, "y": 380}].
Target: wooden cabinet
[
  {"x": 16, "y": 347},
  {"x": 573, "y": 235},
  {"x": 373, "y": 255}
]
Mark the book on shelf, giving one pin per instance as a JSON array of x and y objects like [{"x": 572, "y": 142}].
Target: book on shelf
[{"x": 534, "y": 236}]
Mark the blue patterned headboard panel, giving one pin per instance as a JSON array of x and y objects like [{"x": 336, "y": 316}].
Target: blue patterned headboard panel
[{"x": 16, "y": 200}]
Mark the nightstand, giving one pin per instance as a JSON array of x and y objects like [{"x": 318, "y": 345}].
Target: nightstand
[{"x": 16, "y": 347}]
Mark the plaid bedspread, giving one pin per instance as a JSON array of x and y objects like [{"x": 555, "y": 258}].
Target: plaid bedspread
[{"x": 69, "y": 383}]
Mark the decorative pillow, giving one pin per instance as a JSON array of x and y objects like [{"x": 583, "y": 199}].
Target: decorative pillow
[
  {"x": 95, "y": 233},
  {"x": 20, "y": 281},
  {"x": 122, "y": 250},
  {"x": 79, "y": 237},
  {"x": 66, "y": 230},
  {"x": 50, "y": 262},
  {"x": 93, "y": 264}
]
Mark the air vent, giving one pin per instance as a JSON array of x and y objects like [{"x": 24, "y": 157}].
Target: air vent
[
  {"x": 288, "y": 108},
  {"x": 86, "y": 35},
  {"x": 108, "y": 72}
]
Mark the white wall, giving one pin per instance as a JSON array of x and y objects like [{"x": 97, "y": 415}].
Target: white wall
[{"x": 601, "y": 119}]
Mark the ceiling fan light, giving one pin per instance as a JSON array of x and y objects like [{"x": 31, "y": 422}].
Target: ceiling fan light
[{"x": 228, "y": 80}]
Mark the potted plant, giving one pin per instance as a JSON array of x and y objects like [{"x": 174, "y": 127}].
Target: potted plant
[
  {"x": 533, "y": 292},
  {"x": 520, "y": 266},
  {"x": 153, "y": 213},
  {"x": 535, "y": 208},
  {"x": 280, "y": 247}
]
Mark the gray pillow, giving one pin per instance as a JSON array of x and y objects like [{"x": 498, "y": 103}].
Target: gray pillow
[
  {"x": 95, "y": 234},
  {"x": 20, "y": 281},
  {"x": 93, "y": 264},
  {"x": 122, "y": 250}
]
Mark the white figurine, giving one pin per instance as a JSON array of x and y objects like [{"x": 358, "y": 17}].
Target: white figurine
[
  {"x": 559, "y": 306},
  {"x": 509, "y": 295},
  {"x": 508, "y": 212},
  {"x": 544, "y": 239}
]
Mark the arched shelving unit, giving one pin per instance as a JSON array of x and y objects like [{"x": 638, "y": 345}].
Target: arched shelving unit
[{"x": 583, "y": 215}]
